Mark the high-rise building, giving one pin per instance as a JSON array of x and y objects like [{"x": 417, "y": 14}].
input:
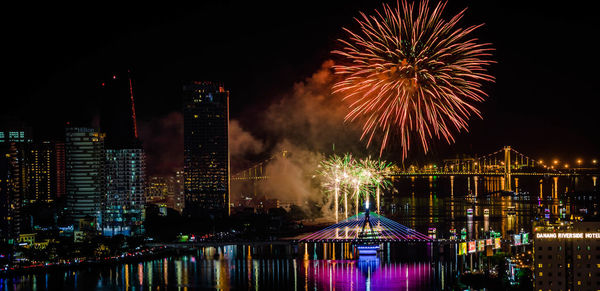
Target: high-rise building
[
  {"x": 14, "y": 140},
  {"x": 11, "y": 191},
  {"x": 206, "y": 150},
  {"x": 41, "y": 173},
  {"x": 59, "y": 155},
  {"x": 15, "y": 132},
  {"x": 85, "y": 178},
  {"x": 567, "y": 257},
  {"x": 176, "y": 198},
  {"x": 166, "y": 190},
  {"x": 156, "y": 189},
  {"x": 123, "y": 210}
]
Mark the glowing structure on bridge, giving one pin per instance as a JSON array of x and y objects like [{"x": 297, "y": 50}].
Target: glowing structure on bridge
[{"x": 354, "y": 229}]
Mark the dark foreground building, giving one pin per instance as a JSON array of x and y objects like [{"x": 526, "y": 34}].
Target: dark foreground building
[{"x": 206, "y": 149}]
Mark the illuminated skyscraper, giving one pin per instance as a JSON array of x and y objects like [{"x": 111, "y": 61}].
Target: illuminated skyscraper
[
  {"x": 14, "y": 141},
  {"x": 176, "y": 199},
  {"x": 85, "y": 180},
  {"x": 59, "y": 150},
  {"x": 11, "y": 191},
  {"x": 206, "y": 149},
  {"x": 41, "y": 173},
  {"x": 125, "y": 200},
  {"x": 123, "y": 205}
]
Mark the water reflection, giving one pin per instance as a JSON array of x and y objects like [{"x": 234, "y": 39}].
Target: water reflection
[
  {"x": 420, "y": 203},
  {"x": 228, "y": 267}
]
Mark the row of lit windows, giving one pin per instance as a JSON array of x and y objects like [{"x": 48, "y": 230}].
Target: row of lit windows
[
  {"x": 589, "y": 248},
  {"x": 560, "y": 266},
  {"x": 579, "y": 257}
]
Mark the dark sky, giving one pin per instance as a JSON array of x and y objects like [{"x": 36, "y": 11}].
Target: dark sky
[{"x": 543, "y": 101}]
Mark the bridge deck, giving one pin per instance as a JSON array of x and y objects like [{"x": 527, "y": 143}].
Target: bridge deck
[{"x": 383, "y": 230}]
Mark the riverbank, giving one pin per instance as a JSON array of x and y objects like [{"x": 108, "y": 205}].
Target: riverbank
[{"x": 137, "y": 256}]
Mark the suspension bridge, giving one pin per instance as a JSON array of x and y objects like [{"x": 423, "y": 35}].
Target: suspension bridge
[{"x": 506, "y": 162}]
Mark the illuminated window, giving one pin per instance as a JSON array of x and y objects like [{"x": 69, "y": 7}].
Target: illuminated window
[
  {"x": 540, "y": 265},
  {"x": 540, "y": 274}
]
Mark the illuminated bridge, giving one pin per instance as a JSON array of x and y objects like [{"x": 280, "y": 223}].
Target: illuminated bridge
[
  {"x": 506, "y": 162},
  {"x": 360, "y": 229}
]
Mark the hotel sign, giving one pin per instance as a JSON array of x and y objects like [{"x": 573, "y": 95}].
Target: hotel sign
[{"x": 568, "y": 235}]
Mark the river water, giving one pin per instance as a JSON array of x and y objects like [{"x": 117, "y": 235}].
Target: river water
[{"x": 420, "y": 203}]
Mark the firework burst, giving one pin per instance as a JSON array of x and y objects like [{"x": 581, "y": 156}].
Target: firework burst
[
  {"x": 409, "y": 72},
  {"x": 345, "y": 175}
]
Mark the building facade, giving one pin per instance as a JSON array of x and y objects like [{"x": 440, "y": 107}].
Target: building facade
[
  {"x": 84, "y": 172},
  {"x": 123, "y": 207},
  {"x": 567, "y": 258},
  {"x": 42, "y": 173},
  {"x": 206, "y": 149},
  {"x": 11, "y": 191},
  {"x": 15, "y": 139}
]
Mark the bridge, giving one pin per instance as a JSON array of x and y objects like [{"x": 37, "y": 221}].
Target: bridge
[
  {"x": 506, "y": 162},
  {"x": 372, "y": 228}
]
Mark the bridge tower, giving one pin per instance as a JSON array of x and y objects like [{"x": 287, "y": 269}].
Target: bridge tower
[{"x": 507, "y": 175}]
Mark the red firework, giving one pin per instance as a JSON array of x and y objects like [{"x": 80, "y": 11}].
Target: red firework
[{"x": 408, "y": 71}]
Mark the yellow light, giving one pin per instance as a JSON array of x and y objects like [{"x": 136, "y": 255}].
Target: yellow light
[
  {"x": 566, "y": 165},
  {"x": 579, "y": 161},
  {"x": 555, "y": 162},
  {"x": 594, "y": 161}
]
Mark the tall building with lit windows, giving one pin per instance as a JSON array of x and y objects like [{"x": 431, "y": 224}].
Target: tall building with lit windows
[
  {"x": 567, "y": 257},
  {"x": 206, "y": 149},
  {"x": 41, "y": 172},
  {"x": 123, "y": 209},
  {"x": 14, "y": 142},
  {"x": 85, "y": 159}
]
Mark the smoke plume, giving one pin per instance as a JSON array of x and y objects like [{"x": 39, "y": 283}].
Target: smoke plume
[{"x": 163, "y": 143}]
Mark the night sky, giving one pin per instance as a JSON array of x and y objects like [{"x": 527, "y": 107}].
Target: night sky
[{"x": 543, "y": 101}]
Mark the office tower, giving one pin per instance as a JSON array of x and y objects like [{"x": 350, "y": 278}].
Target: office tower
[
  {"x": 11, "y": 193},
  {"x": 567, "y": 258},
  {"x": 206, "y": 150},
  {"x": 59, "y": 155},
  {"x": 41, "y": 173},
  {"x": 125, "y": 200},
  {"x": 14, "y": 140},
  {"x": 166, "y": 190},
  {"x": 85, "y": 179},
  {"x": 177, "y": 197},
  {"x": 15, "y": 132},
  {"x": 156, "y": 190}
]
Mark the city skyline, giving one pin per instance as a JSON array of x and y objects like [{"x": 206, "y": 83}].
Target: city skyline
[
  {"x": 530, "y": 111},
  {"x": 326, "y": 145}
]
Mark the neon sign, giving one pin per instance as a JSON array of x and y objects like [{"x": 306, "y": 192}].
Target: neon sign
[{"x": 568, "y": 235}]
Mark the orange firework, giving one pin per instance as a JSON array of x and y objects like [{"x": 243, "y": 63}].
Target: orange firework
[{"x": 408, "y": 71}]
